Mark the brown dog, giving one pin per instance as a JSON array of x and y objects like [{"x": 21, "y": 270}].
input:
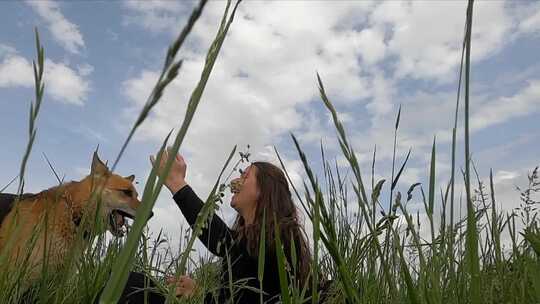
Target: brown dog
[{"x": 54, "y": 217}]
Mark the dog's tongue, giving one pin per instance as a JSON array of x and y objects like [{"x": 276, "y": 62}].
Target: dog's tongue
[
  {"x": 119, "y": 220},
  {"x": 116, "y": 223}
]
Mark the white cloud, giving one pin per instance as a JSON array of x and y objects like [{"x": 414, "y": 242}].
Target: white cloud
[
  {"x": 153, "y": 5},
  {"x": 85, "y": 69},
  {"x": 427, "y": 38},
  {"x": 531, "y": 23},
  {"x": 502, "y": 109},
  {"x": 371, "y": 42},
  {"x": 90, "y": 134},
  {"x": 264, "y": 78},
  {"x": 155, "y": 16},
  {"x": 502, "y": 176},
  {"x": 6, "y": 49},
  {"x": 427, "y": 114},
  {"x": 257, "y": 83},
  {"x": 80, "y": 172},
  {"x": 63, "y": 83},
  {"x": 64, "y": 32},
  {"x": 383, "y": 95},
  {"x": 314, "y": 128},
  {"x": 15, "y": 71},
  {"x": 273, "y": 71},
  {"x": 506, "y": 194}
]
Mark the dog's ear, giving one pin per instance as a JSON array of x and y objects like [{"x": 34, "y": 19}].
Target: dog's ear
[
  {"x": 98, "y": 167},
  {"x": 130, "y": 178}
]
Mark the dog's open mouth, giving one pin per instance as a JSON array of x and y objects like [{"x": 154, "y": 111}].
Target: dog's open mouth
[{"x": 117, "y": 222}]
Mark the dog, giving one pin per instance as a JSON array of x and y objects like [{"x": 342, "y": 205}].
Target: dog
[{"x": 53, "y": 219}]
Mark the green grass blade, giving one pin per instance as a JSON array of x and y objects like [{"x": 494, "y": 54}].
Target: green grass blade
[
  {"x": 431, "y": 197},
  {"x": 405, "y": 272},
  {"x": 34, "y": 109},
  {"x": 282, "y": 265},
  {"x": 120, "y": 272},
  {"x": 115, "y": 285},
  {"x": 262, "y": 255},
  {"x": 495, "y": 234},
  {"x": 471, "y": 244},
  {"x": 396, "y": 179}
]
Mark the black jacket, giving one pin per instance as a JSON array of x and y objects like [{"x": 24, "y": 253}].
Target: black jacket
[{"x": 220, "y": 240}]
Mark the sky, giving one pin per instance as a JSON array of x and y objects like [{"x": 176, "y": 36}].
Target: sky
[{"x": 103, "y": 59}]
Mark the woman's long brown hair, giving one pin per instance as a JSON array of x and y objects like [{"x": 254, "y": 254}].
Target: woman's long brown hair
[{"x": 275, "y": 197}]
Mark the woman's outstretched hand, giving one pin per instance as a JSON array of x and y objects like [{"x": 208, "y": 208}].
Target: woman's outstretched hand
[
  {"x": 176, "y": 179},
  {"x": 184, "y": 286}
]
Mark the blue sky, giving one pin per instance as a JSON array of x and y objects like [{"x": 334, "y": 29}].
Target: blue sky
[{"x": 103, "y": 59}]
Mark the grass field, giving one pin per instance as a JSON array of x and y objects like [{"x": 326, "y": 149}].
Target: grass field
[{"x": 380, "y": 254}]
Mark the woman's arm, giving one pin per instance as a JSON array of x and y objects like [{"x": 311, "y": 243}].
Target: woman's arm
[{"x": 216, "y": 235}]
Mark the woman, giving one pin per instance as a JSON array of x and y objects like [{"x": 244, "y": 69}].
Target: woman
[{"x": 264, "y": 191}]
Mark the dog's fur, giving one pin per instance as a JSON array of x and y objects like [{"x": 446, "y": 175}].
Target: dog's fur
[{"x": 53, "y": 218}]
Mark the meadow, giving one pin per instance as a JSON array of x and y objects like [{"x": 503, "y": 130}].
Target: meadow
[{"x": 367, "y": 250}]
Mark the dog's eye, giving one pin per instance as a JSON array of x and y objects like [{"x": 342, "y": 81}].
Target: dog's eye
[{"x": 127, "y": 192}]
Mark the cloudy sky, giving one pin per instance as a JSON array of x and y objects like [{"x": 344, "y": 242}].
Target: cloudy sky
[{"x": 103, "y": 58}]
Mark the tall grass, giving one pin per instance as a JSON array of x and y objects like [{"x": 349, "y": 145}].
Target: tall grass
[
  {"x": 120, "y": 271},
  {"x": 16, "y": 276},
  {"x": 102, "y": 253},
  {"x": 463, "y": 262},
  {"x": 362, "y": 252}
]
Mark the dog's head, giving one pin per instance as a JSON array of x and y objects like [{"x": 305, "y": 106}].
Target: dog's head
[{"x": 116, "y": 194}]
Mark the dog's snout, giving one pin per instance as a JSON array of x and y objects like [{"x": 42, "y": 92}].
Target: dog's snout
[{"x": 150, "y": 215}]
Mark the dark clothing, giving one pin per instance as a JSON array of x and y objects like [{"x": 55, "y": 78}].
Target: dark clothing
[
  {"x": 134, "y": 291},
  {"x": 6, "y": 203},
  {"x": 220, "y": 240}
]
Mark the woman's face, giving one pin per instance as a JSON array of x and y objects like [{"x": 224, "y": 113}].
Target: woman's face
[{"x": 245, "y": 198}]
